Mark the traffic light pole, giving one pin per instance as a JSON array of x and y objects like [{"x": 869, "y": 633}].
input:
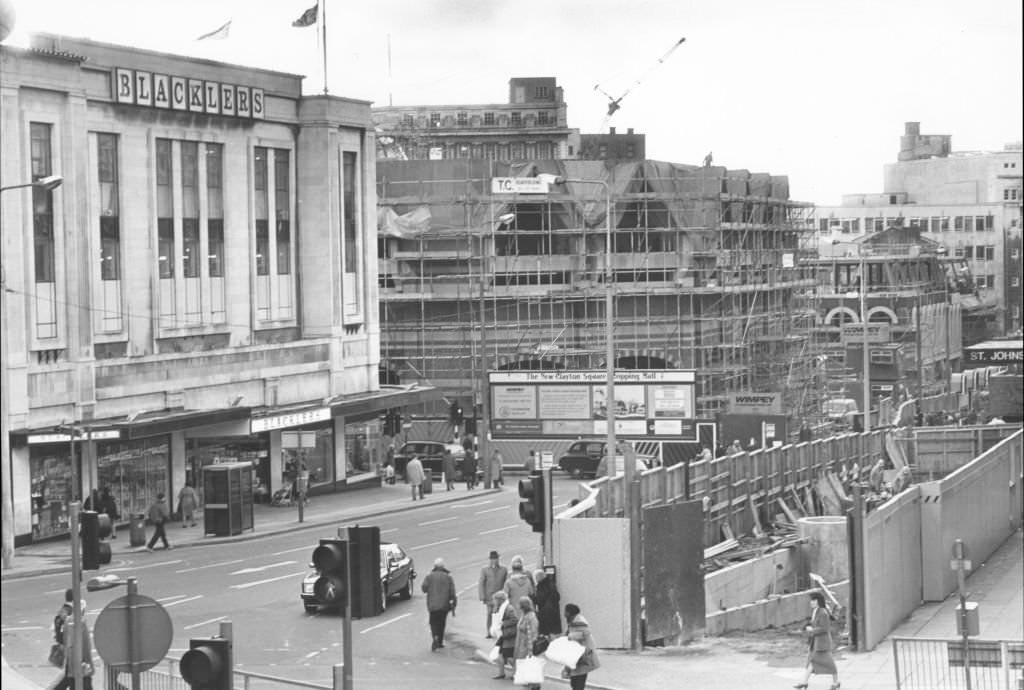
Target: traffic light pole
[
  {"x": 346, "y": 621},
  {"x": 76, "y": 592}
]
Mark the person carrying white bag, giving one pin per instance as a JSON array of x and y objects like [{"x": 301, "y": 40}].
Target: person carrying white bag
[{"x": 577, "y": 630}]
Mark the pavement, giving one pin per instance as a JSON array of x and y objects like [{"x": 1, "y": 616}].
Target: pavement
[{"x": 712, "y": 663}]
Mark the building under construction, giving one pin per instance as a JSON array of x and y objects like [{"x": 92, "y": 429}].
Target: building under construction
[{"x": 705, "y": 264}]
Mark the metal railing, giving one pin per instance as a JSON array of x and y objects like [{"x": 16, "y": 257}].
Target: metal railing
[
  {"x": 166, "y": 676},
  {"x": 937, "y": 664}
]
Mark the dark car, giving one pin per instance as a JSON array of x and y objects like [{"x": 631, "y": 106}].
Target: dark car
[
  {"x": 397, "y": 572},
  {"x": 583, "y": 459},
  {"x": 430, "y": 454}
]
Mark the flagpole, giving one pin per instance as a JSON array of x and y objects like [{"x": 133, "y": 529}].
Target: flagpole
[{"x": 323, "y": 20}]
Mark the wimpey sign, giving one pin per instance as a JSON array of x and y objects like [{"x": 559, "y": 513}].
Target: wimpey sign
[
  {"x": 755, "y": 403},
  {"x": 136, "y": 87}
]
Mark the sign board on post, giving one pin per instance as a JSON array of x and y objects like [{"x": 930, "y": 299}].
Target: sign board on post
[
  {"x": 518, "y": 185},
  {"x": 133, "y": 633}
]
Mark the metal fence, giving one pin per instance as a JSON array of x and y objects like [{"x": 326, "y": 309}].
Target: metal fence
[
  {"x": 165, "y": 676},
  {"x": 932, "y": 664}
]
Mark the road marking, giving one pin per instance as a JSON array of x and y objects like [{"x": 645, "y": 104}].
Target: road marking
[
  {"x": 471, "y": 505},
  {"x": 434, "y": 522},
  {"x": 381, "y": 625},
  {"x": 383, "y": 531},
  {"x": 182, "y": 601},
  {"x": 260, "y": 569},
  {"x": 246, "y": 585},
  {"x": 299, "y": 548},
  {"x": 172, "y": 598},
  {"x": 466, "y": 589},
  {"x": 436, "y": 543},
  {"x": 210, "y": 565},
  {"x": 24, "y": 627},
  {"x": 164, "y": 564},
  {"x": 311, "y": 655},
  {"x": 500, "y": 529},
  {"x": 491, "y": 510},
  {"x": 212, "y": 620}
]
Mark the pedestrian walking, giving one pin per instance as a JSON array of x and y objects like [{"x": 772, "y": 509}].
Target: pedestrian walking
[
  {"x": 504, "y": 629},
  {"x": 57, "y": 650},
  {"x": 819, "y": 638},
  {"x": 577, "y": 629},
  {"x": 82, "y": 640},
  {"x": 414, "y": 475},
  {"x": 492, "y": 579},
  {"x": 546, "y": 599},
  {"x": 159, "y": 514},
  {"x": 439, "y": 587},
  {"x": 496, "y": 468},
  {"x": 448, "y": 468},
  {"x": 469, "y": 469},
  {"x": 526, "y": 632},
  {"x": 188, "y": 501},
  {"x": 519, "y": 582}
]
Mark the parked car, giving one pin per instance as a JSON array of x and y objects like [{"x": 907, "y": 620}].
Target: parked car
[
  {"x": 584, "y": 459},
  {"x": 429, "y": 453},
  {"x": 397, "y": 573},
  {"x": 643, "y": 463}
]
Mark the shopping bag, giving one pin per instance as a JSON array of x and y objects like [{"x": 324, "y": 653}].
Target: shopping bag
[
  {"x": 57, "y": 655},
  {"x": 564, "y": 651},
  {"x": 494, "y": 655},
  {"x": 529, "y": 671}
]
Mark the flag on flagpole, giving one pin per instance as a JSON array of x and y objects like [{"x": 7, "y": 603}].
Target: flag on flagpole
[
  {"x": 217, "y": 34},
  {"x": 308, "y": 17}
]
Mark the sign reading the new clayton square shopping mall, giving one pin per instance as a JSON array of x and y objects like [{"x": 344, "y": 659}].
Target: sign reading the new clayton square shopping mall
[{"x": 138, "y": 87}]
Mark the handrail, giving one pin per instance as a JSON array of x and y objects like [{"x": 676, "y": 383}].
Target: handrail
[{"x": 246, "y": 675}]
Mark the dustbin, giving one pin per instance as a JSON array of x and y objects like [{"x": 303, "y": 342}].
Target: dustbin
[
  {"x": 137, "y": 529},
  {"x": 428, "y": 481}
]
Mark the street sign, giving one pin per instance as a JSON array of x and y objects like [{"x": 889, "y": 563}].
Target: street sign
[
  {"x": 518, "y": 185},
  {"x": 133, "y": 633}
]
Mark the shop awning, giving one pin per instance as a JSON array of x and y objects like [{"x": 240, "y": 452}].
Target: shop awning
[
  {"x": 357, "y": 406},
  {"x": 139, "y": 425}
]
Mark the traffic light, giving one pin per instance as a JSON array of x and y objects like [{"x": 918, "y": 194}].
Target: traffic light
[
  {"x": 331, "y": 561},
  {"x": 208, "y": 665},
  {"x": 365, "y": 584},
  {"x": 533, "y": 509},
  {"x": 95, "y": 527},
  {"x": 455, "y": 413}
]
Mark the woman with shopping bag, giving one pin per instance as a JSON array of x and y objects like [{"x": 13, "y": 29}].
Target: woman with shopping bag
[
  {"x": 529, "y": 668},
  {"x": 578, "y": 630},
  {"x": 503, "y": 628}
]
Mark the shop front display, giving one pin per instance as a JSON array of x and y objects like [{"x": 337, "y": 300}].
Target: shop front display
[
  {"x": 203, "y": 452},
  {"x": 363, "y": 441},
  {"x": 51, "y": 490},
  {"x": 309, "y": 450},
  {"x": 134, "y": 471}
]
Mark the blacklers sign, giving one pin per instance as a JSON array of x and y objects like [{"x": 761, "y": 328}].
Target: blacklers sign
[
  {"x": 755, "y": 403},
  {"x": 137, "y": 87}
]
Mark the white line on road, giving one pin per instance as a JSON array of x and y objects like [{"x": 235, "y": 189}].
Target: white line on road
[
  {"x": 491, "y": 510},
  {"x": 456, "y": 506},
  {"x": 260, "y": 569},
  {"x": 56, "y": 591},
  {"x": 182, "y": 601},
  {"x": 210, "y": 565},
  {"x": 386, "y": 531},
  {"x": 500, "y": 529},
  {"x": 381, "y": 625},
  {"x": 163, "y": 564},
  {"x": 298, "y": 548},
  {"x": 172, "y": 598},
  {"x": 202, "y": 623},
  {"x": 246, "y": 585},
  {"x": 434, "y": 522},
  {"x": 24, "y": 627},
  {"x": 436, "y": 543},
  {"x": 311, "y": 655}
]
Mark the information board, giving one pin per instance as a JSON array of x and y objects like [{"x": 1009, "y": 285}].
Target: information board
[{"x": 649, "y": 403}]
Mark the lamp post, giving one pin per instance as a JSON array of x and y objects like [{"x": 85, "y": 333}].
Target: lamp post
[
  {"x": 630, "y": 506},
  {"x": 48, "y": 184},
  {"x": 864, "y": 345}
]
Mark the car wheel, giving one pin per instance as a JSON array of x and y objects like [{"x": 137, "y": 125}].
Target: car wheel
[
  {"x": 406, "y": 592},
  {"x": 310, "y": 608}
]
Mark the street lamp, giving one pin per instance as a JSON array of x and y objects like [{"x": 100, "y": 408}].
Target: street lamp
[{"x": 48, "y": 183}]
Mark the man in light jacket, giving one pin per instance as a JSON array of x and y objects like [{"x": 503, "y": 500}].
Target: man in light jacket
[
  {"x": 414, "y": 475},
  {"x": 492, "y": 579},
  {"x": 439, "y": 587}
]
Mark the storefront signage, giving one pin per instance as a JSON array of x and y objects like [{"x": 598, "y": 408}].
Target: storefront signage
[
  {"x": 105, "y": 435},
  {"x": 854, "y": 332},
  {"x": 137, "y": 87},
  {"x": 284, "y": 421},
  {"x": 983, "y": 357},
  {"x": 755, "y": 403}
]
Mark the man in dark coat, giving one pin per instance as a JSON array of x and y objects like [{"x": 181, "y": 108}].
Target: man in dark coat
[
  {"x": 448, "y": 468},
  {"x": 546, "y": 598},
  {"x": 439, "y": 587}
]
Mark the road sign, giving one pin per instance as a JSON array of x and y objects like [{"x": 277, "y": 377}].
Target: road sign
[
  {"x": 519, "y": 185},
  {"x": 133, "y": 633}
]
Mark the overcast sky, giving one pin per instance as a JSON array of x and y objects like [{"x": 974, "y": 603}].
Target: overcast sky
[{"x": 815, "y": 89}]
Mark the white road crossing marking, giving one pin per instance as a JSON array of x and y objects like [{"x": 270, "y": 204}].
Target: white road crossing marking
[
  {"x": 381, "y": 625},
  {"x": 246, "y": 585},
  {"x": 162, "y": 564},
  {"x": 202, "y": 623},
  {"x": 434, "y": 522},
  {"x": 182, "y": 601},
  {"x": 436, "y": 543},
  {"x": 491, "y": 510},
  {"x": 260, "y": 569},
  {"x": 500, "y": 529},
  {"x": 210, "y": 565}
]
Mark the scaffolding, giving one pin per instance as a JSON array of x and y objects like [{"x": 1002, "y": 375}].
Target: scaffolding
[{"x": 706, "y": 265}]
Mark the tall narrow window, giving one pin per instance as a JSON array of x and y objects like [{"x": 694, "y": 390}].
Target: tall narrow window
[
  {"x": 215, "y": 209},
  {"x": 262, "y": 228},
  {"x": 110, "y": 226},
  {"x": 348, "y": 174},
  {"x": 42, "y": 204},
  {"x": 282, "y": 210},
  {"x": 190, "y": 209},
  {"x": 165, "y": 208}
]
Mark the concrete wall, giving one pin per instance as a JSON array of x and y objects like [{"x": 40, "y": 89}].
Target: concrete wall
[
  {"x": 942, "y": 450},
  {"x": 891, "y": 565},
  {"x": 773, "y": 612},
  {"x": 980, "y": 504},
  {"x": 742, "y": 583}
]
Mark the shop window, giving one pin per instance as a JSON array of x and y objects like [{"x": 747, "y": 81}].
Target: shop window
[
  {"x": 135, "y": 472},
  {"x": 363, "y": 441},
  {"x": 203, "y": 452},
  {"x": 309, "y": 450}
]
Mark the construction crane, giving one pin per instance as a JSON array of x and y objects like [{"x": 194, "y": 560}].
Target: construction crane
[{"x": 615, "y": 103}]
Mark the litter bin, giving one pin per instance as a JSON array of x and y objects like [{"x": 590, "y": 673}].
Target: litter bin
[
  {"x": 428, "y": 481},
  {"x": 137, "y": 529}
]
